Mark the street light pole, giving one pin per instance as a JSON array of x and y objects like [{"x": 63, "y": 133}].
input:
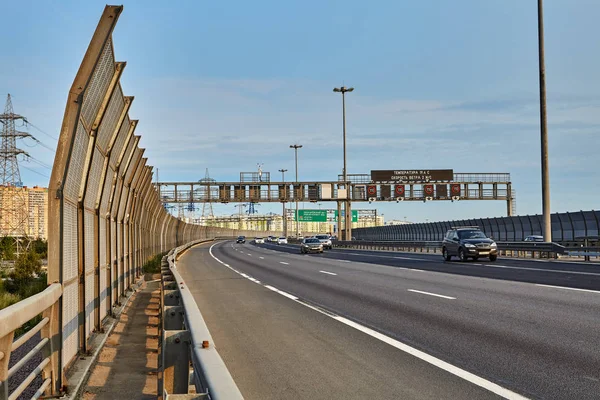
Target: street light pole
[
  {"x": 543, "y": 129},
  {"x": 347, "y": 210},
  {"x": 296, "y": 147},
  {"x": 283, "y": 216}
]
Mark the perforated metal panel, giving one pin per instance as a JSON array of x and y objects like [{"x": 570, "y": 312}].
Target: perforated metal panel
[
  {"x": 103, "y": 265},
  {"x": 69, "y": 241},
  {"x": 76, "y": 165},
  {"x": 126, "y": 156},
  {"x": 113, "y": 258},
  {"x": 99, "y": 84},
  {"x": 122, "y": 203},
  {"x": 119, "y": 144},
  {"x": 89, "y": 240},
  {"x": 93, "y": 184},
  {"x": 70, "y": 321},
  {"x": 111, "y": 117},
  {"x": 106, "y": 190},
  {"x": 89, "y": 304}
]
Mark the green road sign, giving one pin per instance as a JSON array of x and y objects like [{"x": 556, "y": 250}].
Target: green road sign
[
  {"x": 354, "y": 215},
  {"x": 312, "y": 216}
]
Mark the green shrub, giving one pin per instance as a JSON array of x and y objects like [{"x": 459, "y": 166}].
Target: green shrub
[
  {"x": 8, "y": 299},
  {"x": 153, "y": 264}
]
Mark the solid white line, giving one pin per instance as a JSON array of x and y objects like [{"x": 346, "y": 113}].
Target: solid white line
[
  {"x": 432, "y": 294},
  {"x": 281, "y": 292},
  {"x": 249, "y": 254},
  {"x": 568, "y": 288},
  {"x": 262, "y": 258},
  {"x": 413, "y": 269},
  {"x": 544, "y": 269},
  {"x": 328, "y": 273},
  {"x": 281, "y": 262},
  {"x": 346, "y": 261},
  {"x": 461, "y": 373}
]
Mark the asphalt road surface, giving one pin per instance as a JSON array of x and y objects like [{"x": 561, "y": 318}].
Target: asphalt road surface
[{"x": 353, "y": 324}]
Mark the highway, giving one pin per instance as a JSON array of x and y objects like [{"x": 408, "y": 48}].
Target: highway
[{"x": 353, "y": 324}]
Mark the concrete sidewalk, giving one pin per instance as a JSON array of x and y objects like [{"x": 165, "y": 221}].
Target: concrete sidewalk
[{"x": 127, "y": 365}]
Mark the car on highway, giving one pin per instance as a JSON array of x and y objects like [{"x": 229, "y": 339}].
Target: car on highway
[
  {"x": 241, "y": 239},
  {"x": 534, "y": 238},
  {"x": 326, "y": 240},
  {"x": 282, "y": 240},
  {"x": 259, "y": 240},
  {"x": 311, "y": 245},
  {"x": 467, "y": 242}
]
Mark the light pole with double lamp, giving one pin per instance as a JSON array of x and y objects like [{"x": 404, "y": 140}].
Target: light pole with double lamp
[
  {"x": 296, "y": 147},
  {"x": 347, "y": 207},
  {"x": 283, "y": 216}
]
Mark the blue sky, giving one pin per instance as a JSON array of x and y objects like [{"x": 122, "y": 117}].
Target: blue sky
[{"x": 227, "y": 85}]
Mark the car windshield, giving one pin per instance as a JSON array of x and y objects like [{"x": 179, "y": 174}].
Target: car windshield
[
  {"x": 471, "y": 235},
  {"x": 281, "y": 238},
  {"x": 322, "y": 237},
  {"x": 312, "y": 241}
]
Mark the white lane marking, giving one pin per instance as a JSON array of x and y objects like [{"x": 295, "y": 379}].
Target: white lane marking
[
  {"x": 249, "y": 254},
  {"x": 544, "y": 269},
  {"x": 346, "y": 261},
  {"x": 568, "y": 288},
  {"x": 461, "y": 373},
  {"x": 262, "y": 258},
  {"x": 414, "y": 269},
  {"x": 281, "y": 262},
  {"x": 328, "y": 273},
  {"x": 394, "y": 257},
  {"x": 281, "y": 292},
  {"x": 432, "y": 294}
]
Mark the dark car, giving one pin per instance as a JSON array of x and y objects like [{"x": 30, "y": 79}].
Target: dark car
[
  {"x": 241, "y": 239},
  {"x": 468, "y": 242},
  {"x": 311, "y": 245}
]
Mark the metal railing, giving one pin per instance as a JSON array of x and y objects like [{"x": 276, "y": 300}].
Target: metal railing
[
  {"x": 512, "y": 249},
  {"x": 186, "y": 339},
  {"x": 566, "y": 227},
  {"x": 11, "y": 319}
]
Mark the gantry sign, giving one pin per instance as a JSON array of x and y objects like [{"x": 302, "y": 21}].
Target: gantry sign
[{"x": 391, "y": 185}]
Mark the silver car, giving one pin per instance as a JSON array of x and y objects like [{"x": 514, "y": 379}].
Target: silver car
[
  {"x": 326, "y": 240},
  {"x": 311, "y": 245}
]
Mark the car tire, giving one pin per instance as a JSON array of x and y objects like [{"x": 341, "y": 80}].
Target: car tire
[
  {"x": 446, "y": 255},
  {"x": 475, "y": 258},
  {"x": 493, "y": 258},
  {"x": 462, "y": 255}
]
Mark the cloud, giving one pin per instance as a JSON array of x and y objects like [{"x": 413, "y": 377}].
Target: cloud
[{"x": 230, "y": 125}]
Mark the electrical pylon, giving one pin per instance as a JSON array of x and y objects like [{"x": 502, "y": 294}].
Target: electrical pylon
[
  {"x": 207, "y": 208},
  {"x": 13, "y": 198}
]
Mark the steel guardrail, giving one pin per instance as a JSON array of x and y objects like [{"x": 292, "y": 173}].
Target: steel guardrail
[
  {"x": 185, "y": 337},
  {"x": 11, "y": 319},
  {"x": 551, "y": 249}
]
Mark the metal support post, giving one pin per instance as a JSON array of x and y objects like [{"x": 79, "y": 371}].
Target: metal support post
[{"x": 547, "y": 229}]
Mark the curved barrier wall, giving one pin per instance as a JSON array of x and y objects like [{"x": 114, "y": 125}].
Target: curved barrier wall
[
  {"x": 566, "y": 227},
  {"x": 105, "y": 217}
]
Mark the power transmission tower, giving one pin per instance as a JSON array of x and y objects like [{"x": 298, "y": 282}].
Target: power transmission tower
[
  {"x": 207, "y": 208},
  {"x": 9, "y": 167},
  {"x": 13, "y": 198}
]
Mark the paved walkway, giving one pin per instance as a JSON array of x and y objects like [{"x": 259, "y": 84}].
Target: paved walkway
[{"x": 127, "y": 365}]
